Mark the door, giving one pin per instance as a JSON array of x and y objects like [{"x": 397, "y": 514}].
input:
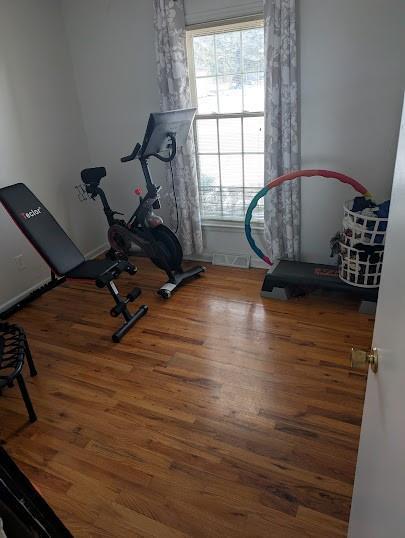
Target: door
[{"x": 378, "y": 506}]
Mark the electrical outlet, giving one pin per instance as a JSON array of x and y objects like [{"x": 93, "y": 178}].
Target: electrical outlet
[{"x": 20, "y": 263}]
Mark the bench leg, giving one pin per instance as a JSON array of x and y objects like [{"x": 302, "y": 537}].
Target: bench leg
[
  {"x": 129, "y": 322},
  {"x": 26, "y": 397},
  {"x": 121, "y": 308}
]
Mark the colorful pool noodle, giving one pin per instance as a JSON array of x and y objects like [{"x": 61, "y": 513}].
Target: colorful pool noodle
[{"x": 327, "y": 174}]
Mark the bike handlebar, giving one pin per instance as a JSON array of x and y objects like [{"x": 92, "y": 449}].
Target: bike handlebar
[
  {"x": 170, "y": 157},
  {"x": 133, "y": 155}
]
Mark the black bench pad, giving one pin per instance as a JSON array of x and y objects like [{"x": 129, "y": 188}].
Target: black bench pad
[
  {"x": 92, "y": 269},
  {"x": 41, "y": 229}
]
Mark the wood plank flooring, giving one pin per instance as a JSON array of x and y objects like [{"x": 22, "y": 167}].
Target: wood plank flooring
[{"x": 220, "y": 413}]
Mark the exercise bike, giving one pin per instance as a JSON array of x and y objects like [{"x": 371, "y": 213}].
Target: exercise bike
[{"x": 165, "y": 133}]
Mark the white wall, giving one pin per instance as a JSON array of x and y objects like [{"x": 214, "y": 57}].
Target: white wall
[
  {"x": 42, "y": 141},
  {"x": 112, "y": 46},
  {"x": 351, "y": 81}
]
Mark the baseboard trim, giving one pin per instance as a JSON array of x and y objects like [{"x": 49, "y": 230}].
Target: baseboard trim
[
  {"x": 206, "y": 257},
  {"x": 8, "y": 304},
  {"x": 97, "y": 251}
]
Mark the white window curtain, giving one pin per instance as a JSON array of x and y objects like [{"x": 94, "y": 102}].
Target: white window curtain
[
  {"x": 282, "y": 204},
  {"x": 170, "y": 36}
]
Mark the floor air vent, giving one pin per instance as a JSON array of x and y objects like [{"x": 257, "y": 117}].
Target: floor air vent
[{"x": 231, "y": 260}]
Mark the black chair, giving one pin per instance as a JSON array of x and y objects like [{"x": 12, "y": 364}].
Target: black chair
[
  {"x": 62, "y": 255},
  {"x": 13, "y": 350}
]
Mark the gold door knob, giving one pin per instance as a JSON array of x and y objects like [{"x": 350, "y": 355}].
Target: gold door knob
[{"x": 361, "y": 359}]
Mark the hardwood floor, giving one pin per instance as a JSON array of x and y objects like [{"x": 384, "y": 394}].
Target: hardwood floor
[{"x": 220, "y": 413}]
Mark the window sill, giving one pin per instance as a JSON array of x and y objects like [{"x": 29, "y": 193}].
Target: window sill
[{"x": 228, "y": 225}]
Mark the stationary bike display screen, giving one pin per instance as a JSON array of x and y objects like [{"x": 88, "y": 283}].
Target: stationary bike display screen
[{"x": 160, "y": 124}]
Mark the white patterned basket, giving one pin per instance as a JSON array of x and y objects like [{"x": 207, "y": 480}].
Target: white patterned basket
[
  {"x": 357, "y": 267},
  {"x": 359, "y": 228}
]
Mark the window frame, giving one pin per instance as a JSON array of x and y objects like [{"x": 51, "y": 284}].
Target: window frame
[{"x": 220, "y": 27}]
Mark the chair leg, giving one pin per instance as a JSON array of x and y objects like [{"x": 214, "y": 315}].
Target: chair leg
[
  {"x": 26, "y": 397},
  {"x": 30, "y": 360}
]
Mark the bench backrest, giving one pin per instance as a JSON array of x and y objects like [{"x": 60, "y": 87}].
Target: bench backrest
[{"x": 41, "y": 229}]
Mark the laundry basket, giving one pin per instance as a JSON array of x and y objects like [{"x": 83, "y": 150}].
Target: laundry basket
[{"x": 361, "y": 248}]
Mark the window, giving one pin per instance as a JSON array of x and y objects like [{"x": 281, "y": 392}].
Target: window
[{"x": 227, "y": 81}]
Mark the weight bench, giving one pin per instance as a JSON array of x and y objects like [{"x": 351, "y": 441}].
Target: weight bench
[{"x": 62, "y": 255}]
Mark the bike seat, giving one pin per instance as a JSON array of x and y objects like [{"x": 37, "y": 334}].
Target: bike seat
[{"x": 93, "y": 176}]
